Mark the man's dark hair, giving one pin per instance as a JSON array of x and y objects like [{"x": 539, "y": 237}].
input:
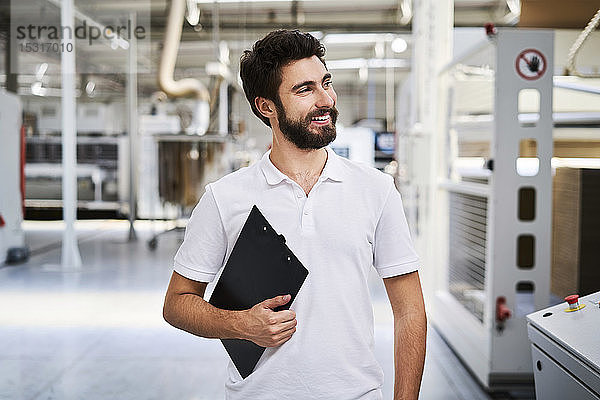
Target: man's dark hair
[{"x": 260, "y": 67}]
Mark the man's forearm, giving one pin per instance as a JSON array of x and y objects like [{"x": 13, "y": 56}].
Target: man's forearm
[
  {"x": 410, "y": 332},
  {"x": 193, "y": 314},
  {"x": 186, "y": 309}
]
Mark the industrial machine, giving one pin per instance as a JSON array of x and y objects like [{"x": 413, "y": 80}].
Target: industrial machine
[
  {"x": 494, "y": 188},
  {"x": 565, "y": 349},
  {"x": 12, "y": 239},
  {"x": 102, "y": 156},
  {"x": 174, "y": 168},
  {"x": 93, "y": 118},
  {"x": 356, "y": 143},
  {"x": 101, "y": 171},
  {"x": 178, "y": 159}
]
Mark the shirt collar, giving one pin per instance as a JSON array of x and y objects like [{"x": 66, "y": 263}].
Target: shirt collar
[{"x": 333, "y": 170}]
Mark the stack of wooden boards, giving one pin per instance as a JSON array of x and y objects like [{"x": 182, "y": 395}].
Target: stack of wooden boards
[{"x": 576, "y": 232}]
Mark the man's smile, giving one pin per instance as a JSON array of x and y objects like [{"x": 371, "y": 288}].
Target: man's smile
[{"x": 321, "y": 120}]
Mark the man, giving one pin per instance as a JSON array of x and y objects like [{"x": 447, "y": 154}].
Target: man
[{"x": 338, "y": 217}]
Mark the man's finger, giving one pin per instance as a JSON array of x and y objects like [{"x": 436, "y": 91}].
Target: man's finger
[
  {"x": 276, "y": 301},
  {"x": 285, "y": 336},
  {"x": 284, "y": 326},
  {"x": 284, "y": 316}
]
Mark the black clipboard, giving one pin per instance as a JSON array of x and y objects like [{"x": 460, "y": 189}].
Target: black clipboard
[{"x": 260, "y": 266}]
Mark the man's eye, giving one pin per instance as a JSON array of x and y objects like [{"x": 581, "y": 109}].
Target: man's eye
[
  {"x": 327, "y": 84},
  {"x": 303, "y": 90}
]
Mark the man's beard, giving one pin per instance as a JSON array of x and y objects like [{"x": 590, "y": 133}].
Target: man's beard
[{"x": 298, "y": 131}]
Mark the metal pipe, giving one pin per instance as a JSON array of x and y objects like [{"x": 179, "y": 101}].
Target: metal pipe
[
  {"x": 473, "y": 189},
  {"x": 576, "y": 87},
  {"x": 186, "y": 86},
  {"x": 480, "y": 46}
]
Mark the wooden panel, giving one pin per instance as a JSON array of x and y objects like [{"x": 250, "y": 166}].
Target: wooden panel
[
  {"x": 556, "y": 14},
  {"x": 576, "y": 149},
  {"x": 528, "y": 148},
  {"x": 589, "y": 241},
  {"x": 562, "y": 148},
  {"x": 474, "y": 149},
  {"x": 565, "y": 231}
]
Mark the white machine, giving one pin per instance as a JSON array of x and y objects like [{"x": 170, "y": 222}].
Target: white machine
[
  {"x": 12, "y": 240},
  {"x": 357, "y": 144},
  {"x": 566, "y": 351},
  {"x": 92, "y": 117},
  {"x": 494, "y": 236},
  {"x": 149, "y": 204}
]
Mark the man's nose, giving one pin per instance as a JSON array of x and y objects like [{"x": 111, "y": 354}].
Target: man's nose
[{"x": 326, "y": 99}]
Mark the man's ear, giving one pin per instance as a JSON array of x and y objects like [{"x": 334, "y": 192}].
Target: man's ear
[{"x": 265, "y": 106}]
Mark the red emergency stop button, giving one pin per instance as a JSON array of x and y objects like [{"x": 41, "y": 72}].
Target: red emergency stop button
[
  {"x": 573, "y": 301},
  {"x": 574, "y": 298}
]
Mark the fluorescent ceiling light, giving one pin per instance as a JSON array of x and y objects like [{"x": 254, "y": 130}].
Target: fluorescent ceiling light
[
  {"x": 38, "y": 90},
  {"x": 317, "y": 34},
  {"x": 399, "y": 45},
  {"x": 89, "y": 88},
  {"x": 193, "y": 13},
  {"x": 117, "y": 42},
  {"x": 41, "y": 70},
  {"x": 350, "y": 38},
  {"x": 357, "y": 63}
]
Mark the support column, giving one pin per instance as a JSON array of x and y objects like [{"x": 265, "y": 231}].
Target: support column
[
  {"x": 432, "y": 46},
  {"x": 390, "y": 89},
  {"x": 132, "y": 118},
  {"x": 71, "y": 259}
]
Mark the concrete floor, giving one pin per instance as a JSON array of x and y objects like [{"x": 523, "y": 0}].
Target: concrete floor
[{"x": 98, "y": 333}]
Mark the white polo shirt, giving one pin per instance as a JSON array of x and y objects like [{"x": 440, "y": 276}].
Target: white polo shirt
[{"x": 351, "y": 220}]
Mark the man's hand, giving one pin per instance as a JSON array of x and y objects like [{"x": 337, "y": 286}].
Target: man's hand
[
  {"x": 186, "y": 309},
  {"x": 268, "y": 328}
]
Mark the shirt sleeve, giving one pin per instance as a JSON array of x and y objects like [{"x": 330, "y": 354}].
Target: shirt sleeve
[
  {"x": 204, "y": 246},
  {"x": 394, "y": 253}
]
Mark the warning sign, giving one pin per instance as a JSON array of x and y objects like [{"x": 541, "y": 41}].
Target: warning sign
[{"x": 531, "y": 64}]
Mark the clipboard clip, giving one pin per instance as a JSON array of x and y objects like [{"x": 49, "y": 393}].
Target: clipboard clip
[{"x": 265, "y": 229}]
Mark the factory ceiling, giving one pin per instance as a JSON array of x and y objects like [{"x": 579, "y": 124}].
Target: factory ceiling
[{"x": 222, "y": 30}]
